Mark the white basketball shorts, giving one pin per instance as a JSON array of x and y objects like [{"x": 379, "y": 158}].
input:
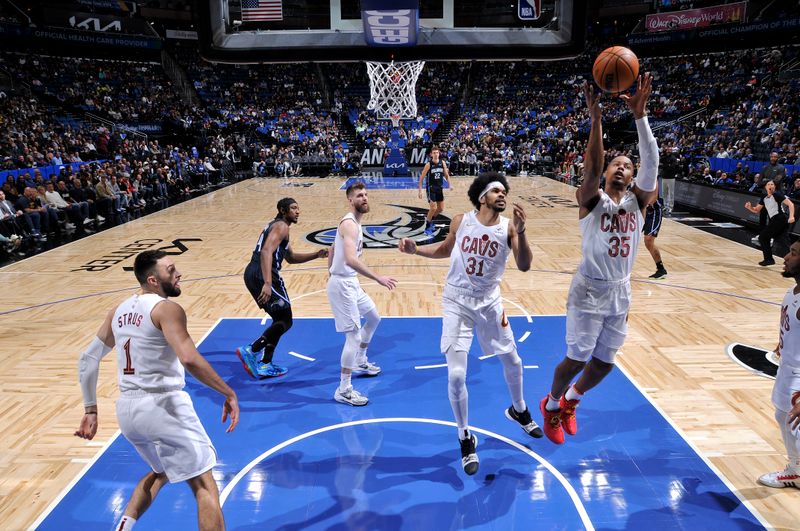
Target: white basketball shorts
[
  {"x": 787, "y": 383},
  {"x": 165, "y": 430},
  {"x": 463, "y": 316},
  {"x": 348, "y": 302},
  {"x": 597, "y": 313}
]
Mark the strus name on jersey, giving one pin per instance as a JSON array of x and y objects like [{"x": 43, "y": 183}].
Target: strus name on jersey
[
  {"x": 480, "y": 246},
  {"x": 134, "y": 319},
  {"x": 622, "y": 222}
]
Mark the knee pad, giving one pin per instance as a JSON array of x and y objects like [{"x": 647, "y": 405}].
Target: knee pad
[
  {"x": 605, "y": 354},
  {"x": 511, "y": 359},
  {"x": 352, "y": 340}
]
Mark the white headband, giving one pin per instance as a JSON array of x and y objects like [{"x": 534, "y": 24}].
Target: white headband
[{"x": 493, "y": 184}]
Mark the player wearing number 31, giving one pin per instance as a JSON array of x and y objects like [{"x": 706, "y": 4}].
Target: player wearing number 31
[
  {"x": 600, "y": 294},
  {"x": 154, "y": 413},
  {"x": 478, "y": 246}
]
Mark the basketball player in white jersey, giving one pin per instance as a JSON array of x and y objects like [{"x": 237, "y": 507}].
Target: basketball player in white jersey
[
  {"x": 439, "y": 175},
  {"x": 349, "y": 302},
  {"x": 599, "y": 297},
  {"x": 786, "y": 391},
  {"x": 154, "y": 413},
  {"x": 478, "y": 246}
]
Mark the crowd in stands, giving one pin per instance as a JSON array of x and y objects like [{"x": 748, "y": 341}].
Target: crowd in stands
[{"x": 65, "y": 174}]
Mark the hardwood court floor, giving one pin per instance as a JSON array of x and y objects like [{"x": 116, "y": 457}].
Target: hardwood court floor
[{"x": 715, "y": 294}]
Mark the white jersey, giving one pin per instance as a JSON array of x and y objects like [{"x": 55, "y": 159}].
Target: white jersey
[
  {"x": 789, "y": 342},
  {"x": 338, "y": 265},
  {"x": 478, "y": 258},
  {"x": 145, "y": 361},
  {"x": 611, "y": 234}
]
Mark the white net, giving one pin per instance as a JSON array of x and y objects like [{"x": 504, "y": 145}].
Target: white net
[{"x": 392, "y": 88}]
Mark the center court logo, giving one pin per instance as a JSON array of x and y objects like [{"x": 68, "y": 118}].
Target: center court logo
[{"x": 410, "y": 224}]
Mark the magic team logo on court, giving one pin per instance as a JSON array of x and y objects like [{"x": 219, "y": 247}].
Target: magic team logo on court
[
  {"x": 410, "y": 224},
  {"x": 130, "y": 250}
]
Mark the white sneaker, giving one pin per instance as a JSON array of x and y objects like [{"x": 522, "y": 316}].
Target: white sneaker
[
  {"x": 69, "y": 226},
  {"x": 88, "y": 221},
  {"x": 101, "y": 219},
  {"x": 350, "y": 396},
  {"x": 779, "y": 480},
  {"x": 370, "y": 369}
]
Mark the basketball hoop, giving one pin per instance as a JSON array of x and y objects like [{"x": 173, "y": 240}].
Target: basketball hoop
[{"x": 392, "y": 89}]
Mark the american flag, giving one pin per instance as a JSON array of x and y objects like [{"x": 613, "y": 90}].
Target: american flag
[{"x": 255, "y": 10}]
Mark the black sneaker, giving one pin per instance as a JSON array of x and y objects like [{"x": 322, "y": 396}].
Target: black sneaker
[
  {"x": 660, "y": 273},
  {"x": 469, "y": 459},
  {"x": 765, "y": 263},
  {"x": 525, "y": 421}
]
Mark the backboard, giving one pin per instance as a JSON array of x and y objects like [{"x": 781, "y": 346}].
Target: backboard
[{"x": 264, "y": 31}]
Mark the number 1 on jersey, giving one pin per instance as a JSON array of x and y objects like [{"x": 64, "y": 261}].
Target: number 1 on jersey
[{"x": 127, "y": 348}]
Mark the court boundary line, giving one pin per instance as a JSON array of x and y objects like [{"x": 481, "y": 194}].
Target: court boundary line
[
  {"x": 700, "y": 454},
  {"x": 66, "y": 490},
  {"x": 573, "y": 494}
]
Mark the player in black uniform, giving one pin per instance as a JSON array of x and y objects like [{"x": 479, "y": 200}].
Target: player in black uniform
[
  {"x": 439, "y": 175},
  {"x": 652, "y": 224},
  {"x": 263, "y": 279}
]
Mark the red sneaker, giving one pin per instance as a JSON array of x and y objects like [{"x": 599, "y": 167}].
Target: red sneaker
[
  {"x": 568, "y": 420},
  {"x": 552, "y": 423}
]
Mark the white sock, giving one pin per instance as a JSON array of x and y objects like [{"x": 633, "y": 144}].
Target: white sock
[
  {"x": 552, "y": 403},
  {"x": 573, "y": 394},
  {"x": 126, "y": 523},
  {"x": 361, "y": 354},
  {"x": 344, "y": 382}
]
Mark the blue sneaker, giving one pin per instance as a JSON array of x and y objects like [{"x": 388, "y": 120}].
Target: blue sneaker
[
  {"x": 248, "y": 359},
  {"x": 270, "y": 370}
]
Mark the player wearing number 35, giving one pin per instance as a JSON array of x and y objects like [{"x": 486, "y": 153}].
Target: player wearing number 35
[
  {"x": 478, "y": 246},
  {"x": 600, "y": 294},
  {"x": 154, "y": 413}
]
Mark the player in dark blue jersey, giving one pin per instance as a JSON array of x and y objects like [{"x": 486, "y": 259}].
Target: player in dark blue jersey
[
  {"x": 652, "y": 224},
  {"x": 263, "y": 279},
  {"x": 438, "y": 174}
]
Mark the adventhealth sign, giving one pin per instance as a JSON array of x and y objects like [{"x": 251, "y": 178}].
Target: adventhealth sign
[{"x": 390, "y": 22}]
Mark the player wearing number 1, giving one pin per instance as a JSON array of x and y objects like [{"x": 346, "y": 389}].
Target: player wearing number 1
[
  {"x": 154, "y": 413},
  {"x": 478, "y": 246},
  {"x": 599, "y": 297}
]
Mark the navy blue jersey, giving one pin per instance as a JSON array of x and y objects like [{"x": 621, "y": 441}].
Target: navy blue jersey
[
  {"x": 436, "y": 176},
  {"x": 277, "y": 257}
]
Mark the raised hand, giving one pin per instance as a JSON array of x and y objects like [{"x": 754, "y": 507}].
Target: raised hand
[
  {"x": 592, "y": 101},
  {"x": 638, "y": 102},
  {"x": 519, "y": 218}
]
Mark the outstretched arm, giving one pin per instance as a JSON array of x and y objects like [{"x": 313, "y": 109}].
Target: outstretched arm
[
  {"x": 594, "y": 158},
  {"x": 443, "y": 250},
  {"x": 647, "y": 177},
  {"x": 301, "y": 258}
]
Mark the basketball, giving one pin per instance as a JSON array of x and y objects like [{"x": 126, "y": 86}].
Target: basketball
[{"x": 615, "y": 69}]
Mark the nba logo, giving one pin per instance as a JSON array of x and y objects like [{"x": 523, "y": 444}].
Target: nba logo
[{"x": 529, "y": 9}]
